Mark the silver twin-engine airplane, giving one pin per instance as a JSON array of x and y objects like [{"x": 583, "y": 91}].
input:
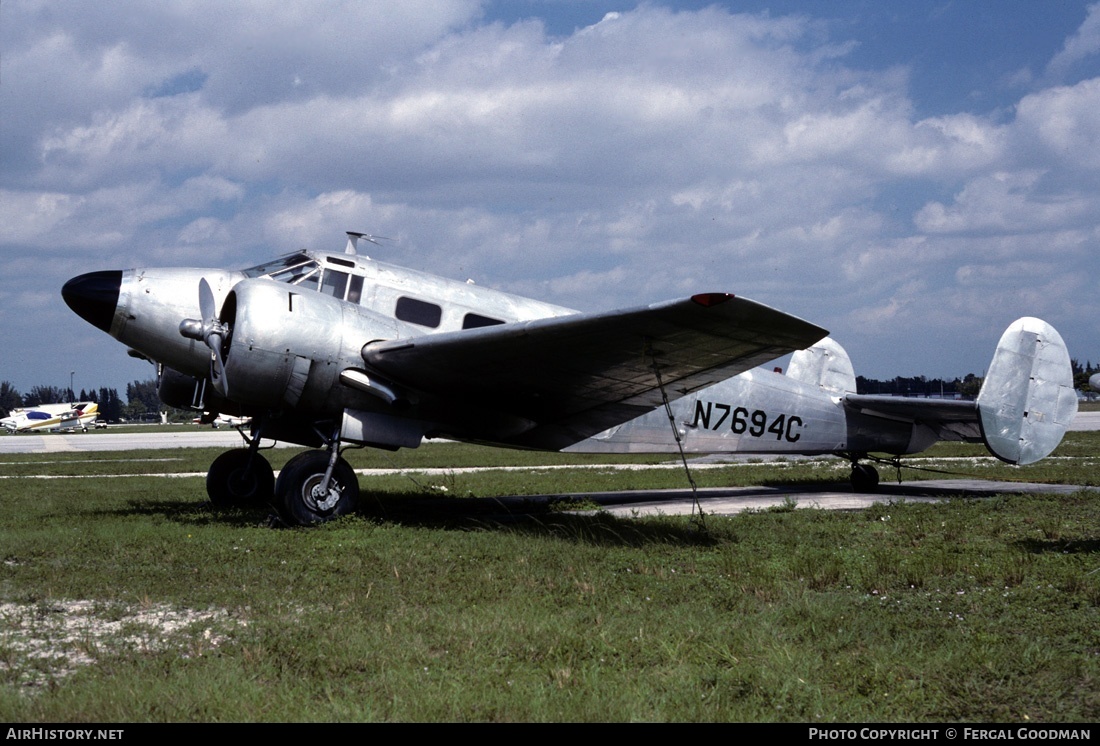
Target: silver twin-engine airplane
[{"x": 329, "y": 349}]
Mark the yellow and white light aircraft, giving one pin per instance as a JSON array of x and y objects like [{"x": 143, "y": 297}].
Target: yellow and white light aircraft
[
  {"x": 325, "y": 349},
  {"x": 52, "y": 417}
]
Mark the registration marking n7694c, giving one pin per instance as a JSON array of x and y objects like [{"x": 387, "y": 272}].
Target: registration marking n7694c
[{"x": 757, "y": 423}]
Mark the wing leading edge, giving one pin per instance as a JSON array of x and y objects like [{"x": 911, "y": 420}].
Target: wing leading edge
[{"x": 573, "y": 376}]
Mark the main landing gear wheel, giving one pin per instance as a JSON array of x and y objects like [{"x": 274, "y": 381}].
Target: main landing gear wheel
[
  {"x": 240, "y": 479},
  {"x": 299, "y": 492},
  {"x": 864, "y": 478}
]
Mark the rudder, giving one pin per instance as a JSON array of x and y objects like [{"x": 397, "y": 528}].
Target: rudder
[{"x": 1027, "y": 399}]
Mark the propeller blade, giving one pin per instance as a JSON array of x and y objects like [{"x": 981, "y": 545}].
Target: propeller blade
[
  {"x": 206, "y": 302},
  {"x": 217, "y": 365}
]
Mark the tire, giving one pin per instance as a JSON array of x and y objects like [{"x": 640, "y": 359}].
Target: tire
[
  {"x": 231, "y": 483},
  {"x": 296, "y": 484},
  {"x": 864, "y": 478}
]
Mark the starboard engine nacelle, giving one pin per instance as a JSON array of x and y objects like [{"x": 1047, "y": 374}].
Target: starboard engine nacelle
[{"x": 1027, "y": 399}]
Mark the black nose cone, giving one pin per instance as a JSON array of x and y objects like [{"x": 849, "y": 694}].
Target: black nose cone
[{"x": 94, "y": 297}]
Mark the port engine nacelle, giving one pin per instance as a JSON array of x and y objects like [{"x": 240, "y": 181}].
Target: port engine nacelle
[{"x": 286, "y": 346}]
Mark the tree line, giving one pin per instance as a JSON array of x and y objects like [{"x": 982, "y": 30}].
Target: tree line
[
  {"x": 957, "y": 388},
  {"x": 966, "y": 387}
]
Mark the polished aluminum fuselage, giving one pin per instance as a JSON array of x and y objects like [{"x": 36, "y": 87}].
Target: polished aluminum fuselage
[{"x": 760, "y": 411}]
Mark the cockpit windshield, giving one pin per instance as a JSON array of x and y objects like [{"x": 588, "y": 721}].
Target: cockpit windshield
[{"x": 294, "y": 269}]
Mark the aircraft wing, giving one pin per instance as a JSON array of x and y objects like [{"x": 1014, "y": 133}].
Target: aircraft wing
[
  {"x": 569, "y": 377},
  {"x": 949, "y": 419}
]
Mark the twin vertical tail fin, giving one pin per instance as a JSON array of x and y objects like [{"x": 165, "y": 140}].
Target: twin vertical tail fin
[
  {"x": 1027, "y": 399},
  {"x": 826, "y": 365}
]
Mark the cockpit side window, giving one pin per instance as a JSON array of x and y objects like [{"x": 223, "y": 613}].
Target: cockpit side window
[
  {"x": 355, "y": 292},
  {"x": 334, "y": 283}
]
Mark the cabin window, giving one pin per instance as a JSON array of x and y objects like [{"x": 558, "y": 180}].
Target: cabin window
[
  {"x": 418, "y": 312},
  {"x": 476, "y": 321}
]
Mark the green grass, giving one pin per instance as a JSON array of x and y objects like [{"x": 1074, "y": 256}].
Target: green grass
[{"x": 970, "y": 610}]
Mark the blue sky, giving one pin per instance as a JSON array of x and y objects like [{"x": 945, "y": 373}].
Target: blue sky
[{"x": 912, "y": 176}]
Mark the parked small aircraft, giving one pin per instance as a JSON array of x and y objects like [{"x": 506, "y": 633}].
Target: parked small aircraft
[
  {"x": 330, "y": 349},
  {"x": 1094, "y": 382},
  {"x": 52, "y": 417},
  {"x": 216, "y": 420}
]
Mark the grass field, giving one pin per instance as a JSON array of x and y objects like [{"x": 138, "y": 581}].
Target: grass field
[{"x": 124, "y": 598}]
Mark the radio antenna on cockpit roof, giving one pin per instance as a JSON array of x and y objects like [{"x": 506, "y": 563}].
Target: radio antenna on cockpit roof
[{"x": 353, "y": 240}]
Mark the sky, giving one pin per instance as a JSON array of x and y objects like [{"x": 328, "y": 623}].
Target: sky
[{"x": 911, "y": 176}]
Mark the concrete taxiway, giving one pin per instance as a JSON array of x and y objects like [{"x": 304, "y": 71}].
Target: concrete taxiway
[
  {"x": 129, "y": 441},
  {"x": 732, "y": 500},
  {"x": 712, "y": 501},
  {"x": 1086, "y": 421}
]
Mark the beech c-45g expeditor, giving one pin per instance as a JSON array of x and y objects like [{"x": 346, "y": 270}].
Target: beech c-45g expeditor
[{"x": 330, "y": 349}]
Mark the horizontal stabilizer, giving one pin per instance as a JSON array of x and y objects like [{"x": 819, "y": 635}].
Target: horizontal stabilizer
[
  {"x": 1027, "y": 399},
  {"x": 946, "y": 419}
]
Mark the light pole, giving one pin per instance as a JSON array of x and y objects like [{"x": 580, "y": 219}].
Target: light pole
[{"x": 72, "y": 396}]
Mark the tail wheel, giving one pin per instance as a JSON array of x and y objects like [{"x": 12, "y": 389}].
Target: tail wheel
[
  {"x": 239, "y": 479},
  {"x": 300, "y": 494}
]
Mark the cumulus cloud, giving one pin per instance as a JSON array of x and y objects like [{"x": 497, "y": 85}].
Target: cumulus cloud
[
  {"x": 1006, "y": 203},
  {"x": 1062, "y": 125},
  {"x": 1083, "y": 44}
]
